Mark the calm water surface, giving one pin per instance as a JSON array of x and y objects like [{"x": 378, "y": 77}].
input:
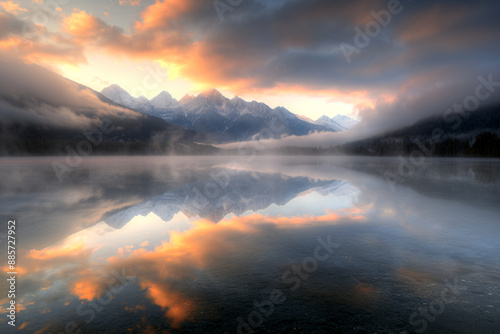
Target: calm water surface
[{"x": 253, "y": 245}]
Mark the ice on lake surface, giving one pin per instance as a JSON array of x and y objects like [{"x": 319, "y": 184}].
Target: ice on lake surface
[{"x": 254, "y": 245}]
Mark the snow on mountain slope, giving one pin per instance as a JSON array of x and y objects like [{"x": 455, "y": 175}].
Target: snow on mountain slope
[
  {"x": 330, "y": 123},
  {"x": 337, "y": 123},
  {"x": 119, "y": 95},
  {"x": 345, "y": 121},
  {"x": 163, "y": 101}
]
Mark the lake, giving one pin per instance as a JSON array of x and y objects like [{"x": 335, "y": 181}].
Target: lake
[{"x": 252, "y": 245}]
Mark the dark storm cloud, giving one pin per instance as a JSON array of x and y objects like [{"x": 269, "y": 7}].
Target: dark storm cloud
[
  {"x": 425, "y": 60},
  {"x": 267, "y": 44},
  {"x": 299, "y": 42}
]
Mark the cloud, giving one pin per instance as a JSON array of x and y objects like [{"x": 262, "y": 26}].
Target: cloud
[
  {"x": 200, "y": 249},
  {"x": 262, "y": 47},
  {"x": 12, "y": 7},
  {"x": 34, "y": 44},
  {"x": 83, "y": 25},
  {"x": 64, "y": 251},
  {"x": 89, "y": 285},
  {"x": 74, "y": 266},
  {"x": 10, "y": 25}
]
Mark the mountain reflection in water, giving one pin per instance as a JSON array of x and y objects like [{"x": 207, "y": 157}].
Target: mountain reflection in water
[{"x": 313, "y": 245}]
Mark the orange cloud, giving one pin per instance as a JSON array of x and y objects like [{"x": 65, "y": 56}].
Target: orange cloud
[
  {"x": 173, "y": 33},
  {"x": 10, "y": 43},
  {"x": 66, "y": 250},
  {"x": 24, "y": 325},
  {"x": 200, "y": 248},
  {"x": 161, "y": 271},
  {"x": 12, "y": 7},
  {"x": 39, "y": 46},
  {"x": 44, "y": 329},
  {"x": 158, "y": 36},
  {"x": 89, "y": 286},
  {"x": 19, "y": 270},
  {"x": 83, "y": 25},
  {"x": 90, "y": 31},
  {"x": 85, "y": 291},
  {"x": 179, "y": 307},
  {"x": 160, "y": 14}
]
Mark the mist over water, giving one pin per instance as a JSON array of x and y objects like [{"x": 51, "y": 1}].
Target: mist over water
[{"x": 255, "y": 245}]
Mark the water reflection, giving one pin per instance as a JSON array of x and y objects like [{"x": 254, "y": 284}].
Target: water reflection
[{"x": 198, "y": 246}]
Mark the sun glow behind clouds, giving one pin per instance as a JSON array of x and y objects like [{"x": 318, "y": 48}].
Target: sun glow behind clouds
[
  {"x": 150, "y": 78},
  {"x": 284, "y": 54},
  {"x": 312, "y": 107},
  {"x": 146, "y": 78}
]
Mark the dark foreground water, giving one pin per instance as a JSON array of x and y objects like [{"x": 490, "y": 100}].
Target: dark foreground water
[{"x": 252, "y": 245}]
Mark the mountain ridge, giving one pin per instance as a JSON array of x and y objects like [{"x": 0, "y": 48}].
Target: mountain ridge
[{"x": 224, "y": 119}]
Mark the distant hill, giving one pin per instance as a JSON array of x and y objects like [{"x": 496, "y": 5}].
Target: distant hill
[{"x": 473, "y": 136}]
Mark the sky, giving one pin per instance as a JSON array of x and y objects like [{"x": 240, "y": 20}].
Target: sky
[{"x": 367, "y": 59}]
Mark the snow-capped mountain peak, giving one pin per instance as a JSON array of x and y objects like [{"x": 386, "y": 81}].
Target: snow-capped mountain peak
[
  {"x": 323, "y": 119},
  {"x": 345, "y": 121},
  {"x": 164, "y": 100},
  {"x": 285, "y": 113},
  {"x": 119, "y": 95},
  {"x": 142, "y": 99},
  {"x": 224, "y": 119},
  {"x": 337, "y": 123},
  {"x": 238, "y": 103},
  {"x": 213, "y": 96}
]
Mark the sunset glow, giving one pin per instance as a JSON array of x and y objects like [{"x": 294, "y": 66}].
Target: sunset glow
[{"x": 184, "y": 47}]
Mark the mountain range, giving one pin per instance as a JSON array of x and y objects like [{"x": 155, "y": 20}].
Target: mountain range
[
  {"x": 248, "y": 191},
  {"x": 224, "y": 119},
  {"x": 43, "y": 113}
]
